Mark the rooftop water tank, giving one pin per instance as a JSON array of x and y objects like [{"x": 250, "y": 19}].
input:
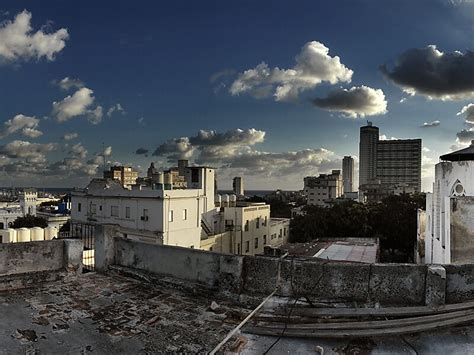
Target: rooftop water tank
[
  {"x": 50, "y": 232},
  {"x": 36, "y": 234},
  {"x": 23, "y": 235}
]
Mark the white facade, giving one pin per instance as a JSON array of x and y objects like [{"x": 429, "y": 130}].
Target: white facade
[
  {"x": 170, "y": 217},
  {"x": 28, "y": 201},
  {"x": 454, "y": 183},
  {"x": 323, "y": 189}
]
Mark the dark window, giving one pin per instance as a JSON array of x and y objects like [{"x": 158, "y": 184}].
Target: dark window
[
  {"x": 79, "y": 207},
  {"x": 195, "y": 175}
]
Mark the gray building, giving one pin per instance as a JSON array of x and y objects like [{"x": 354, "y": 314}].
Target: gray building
[
  {"x": 238, "y": 186},
  {"x": 390, "y": 162},
  {"x": 323, "y": 189},
  {"x": 369, "y": 136},
  {"x": 348, "y": 173}
]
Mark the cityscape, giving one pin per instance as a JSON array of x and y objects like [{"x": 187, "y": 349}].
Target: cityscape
[{"x": 325, "y": 204}]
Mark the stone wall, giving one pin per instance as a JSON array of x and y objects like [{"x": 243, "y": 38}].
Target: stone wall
[
  {"x": 23, "y": 264},
  {"x": 386, "y": 284}
]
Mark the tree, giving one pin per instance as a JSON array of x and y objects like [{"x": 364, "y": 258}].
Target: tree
[{"x": 30, "y": 222}]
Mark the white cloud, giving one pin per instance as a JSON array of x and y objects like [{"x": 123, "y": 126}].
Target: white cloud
[
  {"x": 68, "y": 83},
  {"x": 19, "y": 42},
  {"x": 95, "y": 116},
  {"x": 70, "y": 136},
  {"x": 431, "y": 124},
  {"x": 71, "y": 106},
  {"x": 383, "y": 137},
  {"x": 313, "y": 66},
  {"x": 27, "y": 125},
  {"x": 468, "y": 110},
  {"x": 354, "y": 102},
  {"x": 31, "y": 152},
  {"x": 115, "y": 108}
]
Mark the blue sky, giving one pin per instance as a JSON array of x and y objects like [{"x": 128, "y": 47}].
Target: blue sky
[{"x": 157, "y": 60}]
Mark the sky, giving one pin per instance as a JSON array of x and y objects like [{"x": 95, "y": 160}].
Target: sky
[{"x": 271, "y": 90}]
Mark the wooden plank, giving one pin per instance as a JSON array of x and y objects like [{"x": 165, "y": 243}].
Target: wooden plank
[
  {"x": 375, "y": 312},
  {"x": 357, "y": 333},
  {"x": 369, "y": 324}
]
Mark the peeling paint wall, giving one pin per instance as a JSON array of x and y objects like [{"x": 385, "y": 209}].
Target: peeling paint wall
[{"x": 462, "y": 229}]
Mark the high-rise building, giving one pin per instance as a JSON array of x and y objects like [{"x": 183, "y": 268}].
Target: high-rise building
[
  {"x": 398, "y": 162},
  {"x": 348, "y": 173},
  {"x": 238, "y": 186},
  {"x": 369, "y": 136}
]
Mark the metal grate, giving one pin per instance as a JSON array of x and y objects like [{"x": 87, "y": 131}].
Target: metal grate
[{"x": 85, "y": 232}]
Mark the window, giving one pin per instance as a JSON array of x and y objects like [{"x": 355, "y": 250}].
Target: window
[
  {"x": 185, "y": 214},
  {"x": 100, "y": 208},
  {"x": 247, "y": 246},
  {"x": 114, "y": 211},
  {"x": 256, "y": 243},
  {"x": 266, "y": 221},
  {"x": 284, "y": 232},
  {"x": 194, "y": 175},
  {"x": 238, "y": 248},
  {"x": 246, "y": 228},
  {"x": 127, "y": 212},
  {"x": 280, "y": 233},
  {"x": 210, "y": 249},
  {"x": 264, "y": 239},
  {"x": 79, "y": 206},
  {"x": 145, "y": 215},
  {"x": 170, "y": 216},
  {"x": 257, "y": 224}
]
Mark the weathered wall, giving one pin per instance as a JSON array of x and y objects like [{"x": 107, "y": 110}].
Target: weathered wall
[{"x": 462, "y": 229}]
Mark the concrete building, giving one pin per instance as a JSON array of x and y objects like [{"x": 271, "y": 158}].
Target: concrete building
[
  {"x": 125, "y": 174},
  {"x": 369, "y": 136},
  {"x": 28, "y": 201},
  {"x": 238, "y": 186},
  {"x": 375, "y": 191},
  {"x": 348, "y": 174},
  {"x": 449, "y": 232},
  {"x": 398, "y": 162},
  {"x": 323, "y": 189},
  {"x": 393, "y": 162},
  {"x": 152, "y": 214}
]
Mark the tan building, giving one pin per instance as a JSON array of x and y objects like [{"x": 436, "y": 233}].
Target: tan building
[
  {"x": 323, "y": 189},
  {"x": 125, "y": 174}
]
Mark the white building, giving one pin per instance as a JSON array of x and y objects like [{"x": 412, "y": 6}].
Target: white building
[
  {"x": 323, "y": 189},
  {"x": 449, "y": 234},
  {"x": 152, "y": 214},
  {"x": 238, "y": 186},
  {"x": 348, "y": 174},
  {"x": 28, "y": 201}
]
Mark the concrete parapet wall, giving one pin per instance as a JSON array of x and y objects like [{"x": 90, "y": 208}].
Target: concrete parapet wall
[{"x": 459, "y": 283}]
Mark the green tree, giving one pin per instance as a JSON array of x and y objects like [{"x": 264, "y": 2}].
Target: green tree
[{"x": 30, "y": 222}]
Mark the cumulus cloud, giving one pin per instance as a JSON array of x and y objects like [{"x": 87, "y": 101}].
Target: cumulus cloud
[
  {"x": 465, "y": 136},
  {"x": 68, "y": 83},
  {"x": 115, "y": 108},
  {"x": 431, "y": 124},
  {"x": 176, "y": 148},
  {"x": 434, "y": 74},
  {"x": 70, "y": 136},
  {"x": 30, "y": 152},
  {"x": 141, "y": 151},
  {"x": 27, "y": 125},
  {"x": 237, "y": 136},
  {"x": 77, "y": 105},
  {"x": 354, "y": 102},
  {"x": 19, "y": 42},
  {"x": 468, "y": 111},
  {"x": 313, "y": 66}
]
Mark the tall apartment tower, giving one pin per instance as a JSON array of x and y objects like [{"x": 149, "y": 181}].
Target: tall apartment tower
[
  {"x": 369, "y": 136},
  {"x": 238, "y": 186},
  {"x": 348, "y": 173},
  {"x": 399, "y": 162}
]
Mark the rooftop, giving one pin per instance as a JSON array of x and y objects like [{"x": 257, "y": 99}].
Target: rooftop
[{"x": 460, "y": 155}]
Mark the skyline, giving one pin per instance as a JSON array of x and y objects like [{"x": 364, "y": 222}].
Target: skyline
[{"x": 274, "y": 100}]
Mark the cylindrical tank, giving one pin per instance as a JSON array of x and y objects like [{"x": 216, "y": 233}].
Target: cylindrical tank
[
  {"x": 12, "y": 238},
  {"x": 50, "y": 232},
  {"x": 225, "y": 200},
  {"x": 160, "y": 178},
  {"x": 232, "y": 200},
  {"x": 36, "y": 234},
  {"x": 23, "y": 235},
  {"x": 168, "y": 179},
  {"x": 218, "y": 200}
]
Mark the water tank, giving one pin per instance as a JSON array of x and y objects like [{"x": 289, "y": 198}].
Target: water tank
[
  {"x": 218, "y": 200},
  {"x": 225, "y": 200},
  {"x": 160, "y": 178},
  {"x": 10, "y": 236},
  {"x": 37, "y": 234},
  {"x": 232, "y": 200},
  {"x": 50, "y": 232},
  {"x": 23, "y": 235}
]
